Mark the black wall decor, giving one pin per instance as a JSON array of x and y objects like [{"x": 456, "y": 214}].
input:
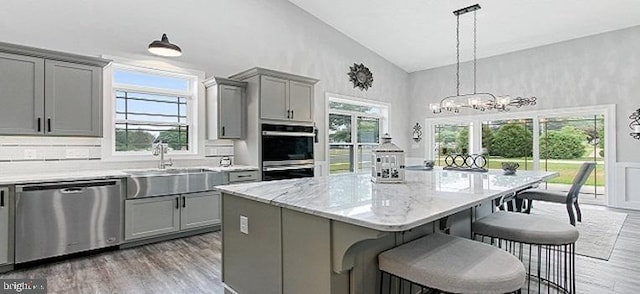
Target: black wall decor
[
  {"x": 361, "y": 76},
  {"x": 466, "y": 162}
]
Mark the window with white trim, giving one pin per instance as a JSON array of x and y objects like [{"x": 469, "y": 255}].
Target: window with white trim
[
  {"x": 152, "y": 106},
  {"x": 354, "y": 129}
]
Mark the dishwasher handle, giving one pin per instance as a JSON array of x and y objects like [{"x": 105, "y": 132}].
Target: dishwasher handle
[
  {"x": 72, "y": 190},
  {"x": 67, "y": 187}
]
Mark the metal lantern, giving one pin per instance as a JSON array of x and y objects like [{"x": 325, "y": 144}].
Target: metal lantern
[{"x": 388, "y": 162}]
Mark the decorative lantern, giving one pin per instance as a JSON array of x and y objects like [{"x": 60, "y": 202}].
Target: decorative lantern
[{"x": 388, "y": 162}]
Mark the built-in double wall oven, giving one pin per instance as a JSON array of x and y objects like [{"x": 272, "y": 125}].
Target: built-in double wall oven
[{"x": 287, "y": 151}]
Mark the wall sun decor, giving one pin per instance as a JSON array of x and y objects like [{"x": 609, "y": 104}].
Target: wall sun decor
[{"x": 361, "y": 76}]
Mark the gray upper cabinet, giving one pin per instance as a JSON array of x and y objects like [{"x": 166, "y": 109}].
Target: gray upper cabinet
[
  {"x": 226, "y": 109},
  {"x": 301, "y": 101},
  {"x": 282, "y": 96},
  {"x": 274, "y": 96},
  {"x": 21, "y": 94},
  {"x": 45, "y": 92},
  {"x": 72, "y": 99},
  {"x": 4, "y": 225},
  {"x": 231, "y": 112}
]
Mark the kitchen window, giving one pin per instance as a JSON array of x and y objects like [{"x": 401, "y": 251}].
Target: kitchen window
[
  {"x": 354, "y": 129},
  {"x": 152, "y": 106}
]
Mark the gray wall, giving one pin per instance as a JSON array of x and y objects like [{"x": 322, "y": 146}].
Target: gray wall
[
  {"x": 220, "y": 37},
  {"x": 599, "y": 69}
]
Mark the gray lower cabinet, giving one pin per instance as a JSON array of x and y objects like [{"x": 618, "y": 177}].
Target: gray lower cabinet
[
  {"x": 49, "y": 93},
  {"x": 155, "y": 216},
  {"x": 4, "y": 225},
  {"x": 200, "y": 210},
  {"x": 21, "y": 94},
  {"x": 72, "y": 99}
]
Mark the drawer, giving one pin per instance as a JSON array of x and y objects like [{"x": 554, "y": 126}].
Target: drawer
[{"x": 244, "y": 176}]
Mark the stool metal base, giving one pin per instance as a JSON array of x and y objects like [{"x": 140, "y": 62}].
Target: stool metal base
[
  {"x": 392, "y": 284},
  {"x": 551, "y": 267}
]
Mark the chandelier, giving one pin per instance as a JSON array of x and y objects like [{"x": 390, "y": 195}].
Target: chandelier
[{"x": 475, "y": 100}]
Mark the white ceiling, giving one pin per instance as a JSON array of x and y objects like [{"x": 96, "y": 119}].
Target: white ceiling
[{"x": 420, "y": 34}]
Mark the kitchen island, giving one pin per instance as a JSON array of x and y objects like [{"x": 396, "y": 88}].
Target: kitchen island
[{"x": 323, "y": 235}]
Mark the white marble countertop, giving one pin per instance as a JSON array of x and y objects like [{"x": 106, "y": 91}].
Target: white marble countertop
[
  {"x": 353, "y": 198},
  {"x": 55, "y": 176}
]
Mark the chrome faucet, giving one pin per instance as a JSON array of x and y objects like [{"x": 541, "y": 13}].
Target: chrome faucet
[{"x": 161, "y": 149}]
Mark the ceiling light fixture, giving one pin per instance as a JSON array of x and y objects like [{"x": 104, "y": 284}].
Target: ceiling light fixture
[
  {"x": 164, "y": 47},
  {"x": 477, "y": 101}
]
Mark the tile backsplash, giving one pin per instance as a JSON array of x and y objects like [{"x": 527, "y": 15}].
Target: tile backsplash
[
  {"x": 218, "y": 148},
  {"x": 17, "y": 148},
  {"x": 21, "y": 154}
]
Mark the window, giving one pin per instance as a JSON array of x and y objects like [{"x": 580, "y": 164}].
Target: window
[
  {"x": 152, "y": 106},
  {"x": 551, "y": 140},
  {"x": 354, "y": 130}
]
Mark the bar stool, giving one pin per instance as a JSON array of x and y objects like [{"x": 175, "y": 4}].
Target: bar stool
[
  {"x": 445, "y": 263},
  {"x": 520, "y": 234}
]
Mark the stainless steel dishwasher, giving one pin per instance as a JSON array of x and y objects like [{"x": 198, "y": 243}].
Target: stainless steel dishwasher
[{"x": 55, "y": 219}]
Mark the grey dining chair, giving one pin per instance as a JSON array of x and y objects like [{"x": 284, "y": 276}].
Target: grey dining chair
[{"x": 570, "y": 198}]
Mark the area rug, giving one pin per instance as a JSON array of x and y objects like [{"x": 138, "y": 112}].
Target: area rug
[{"x": 599, "y": 228}]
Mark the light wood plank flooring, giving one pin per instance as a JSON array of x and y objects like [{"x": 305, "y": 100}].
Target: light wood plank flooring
[{"x": 192, "y": 265}]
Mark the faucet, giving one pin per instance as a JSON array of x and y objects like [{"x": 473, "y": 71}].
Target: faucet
[{"x": 160, "y": 148}]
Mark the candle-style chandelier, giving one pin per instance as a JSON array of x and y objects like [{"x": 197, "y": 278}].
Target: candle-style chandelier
[{"x": 475, "y": 100}]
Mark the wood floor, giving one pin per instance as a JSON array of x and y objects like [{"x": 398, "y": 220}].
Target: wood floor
[
  {"x": 188, "y": 265},
  {"x": 192, "y": 265}
]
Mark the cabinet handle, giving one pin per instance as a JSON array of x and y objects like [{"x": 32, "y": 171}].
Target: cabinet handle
[
  {"x": 178, "y": 203},
  {"x": 288, "y": 113},
  {"x": 223, "y": 131},
  {"x": 184, "y": 202},
  {"x": 49, "y": 124},
  {"x": 2, "y": 198},
  {"x": 291, "y": 114},
  {"x": 39, "y": 125}
]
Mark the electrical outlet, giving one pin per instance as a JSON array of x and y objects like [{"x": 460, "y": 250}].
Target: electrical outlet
[{"x": 244, "y": 224}]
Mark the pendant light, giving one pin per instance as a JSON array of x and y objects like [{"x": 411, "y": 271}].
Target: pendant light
[
  {"x": 164, "y": 48},
  {"x": 475, "y": 100}
]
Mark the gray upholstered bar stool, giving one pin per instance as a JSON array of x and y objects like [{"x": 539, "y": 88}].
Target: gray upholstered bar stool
[
  {"x": 445, "y": 263},
  {"x": 521, "y": 234}
]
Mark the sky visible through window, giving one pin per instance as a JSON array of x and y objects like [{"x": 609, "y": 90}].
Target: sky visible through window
[
  {"x": 143, "y": 118},
  {"x": 149, "y": 80}
]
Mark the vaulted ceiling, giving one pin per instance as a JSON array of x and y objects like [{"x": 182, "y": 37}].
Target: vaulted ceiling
[{"x": 420, "y": 34}]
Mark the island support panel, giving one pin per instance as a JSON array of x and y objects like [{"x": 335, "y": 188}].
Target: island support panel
[
  {"x": 251, "y": 263},
  {"x": 289, "y": 252}
]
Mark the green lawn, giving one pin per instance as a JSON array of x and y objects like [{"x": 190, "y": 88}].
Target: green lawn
[{"x": 567, "y": 170}]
